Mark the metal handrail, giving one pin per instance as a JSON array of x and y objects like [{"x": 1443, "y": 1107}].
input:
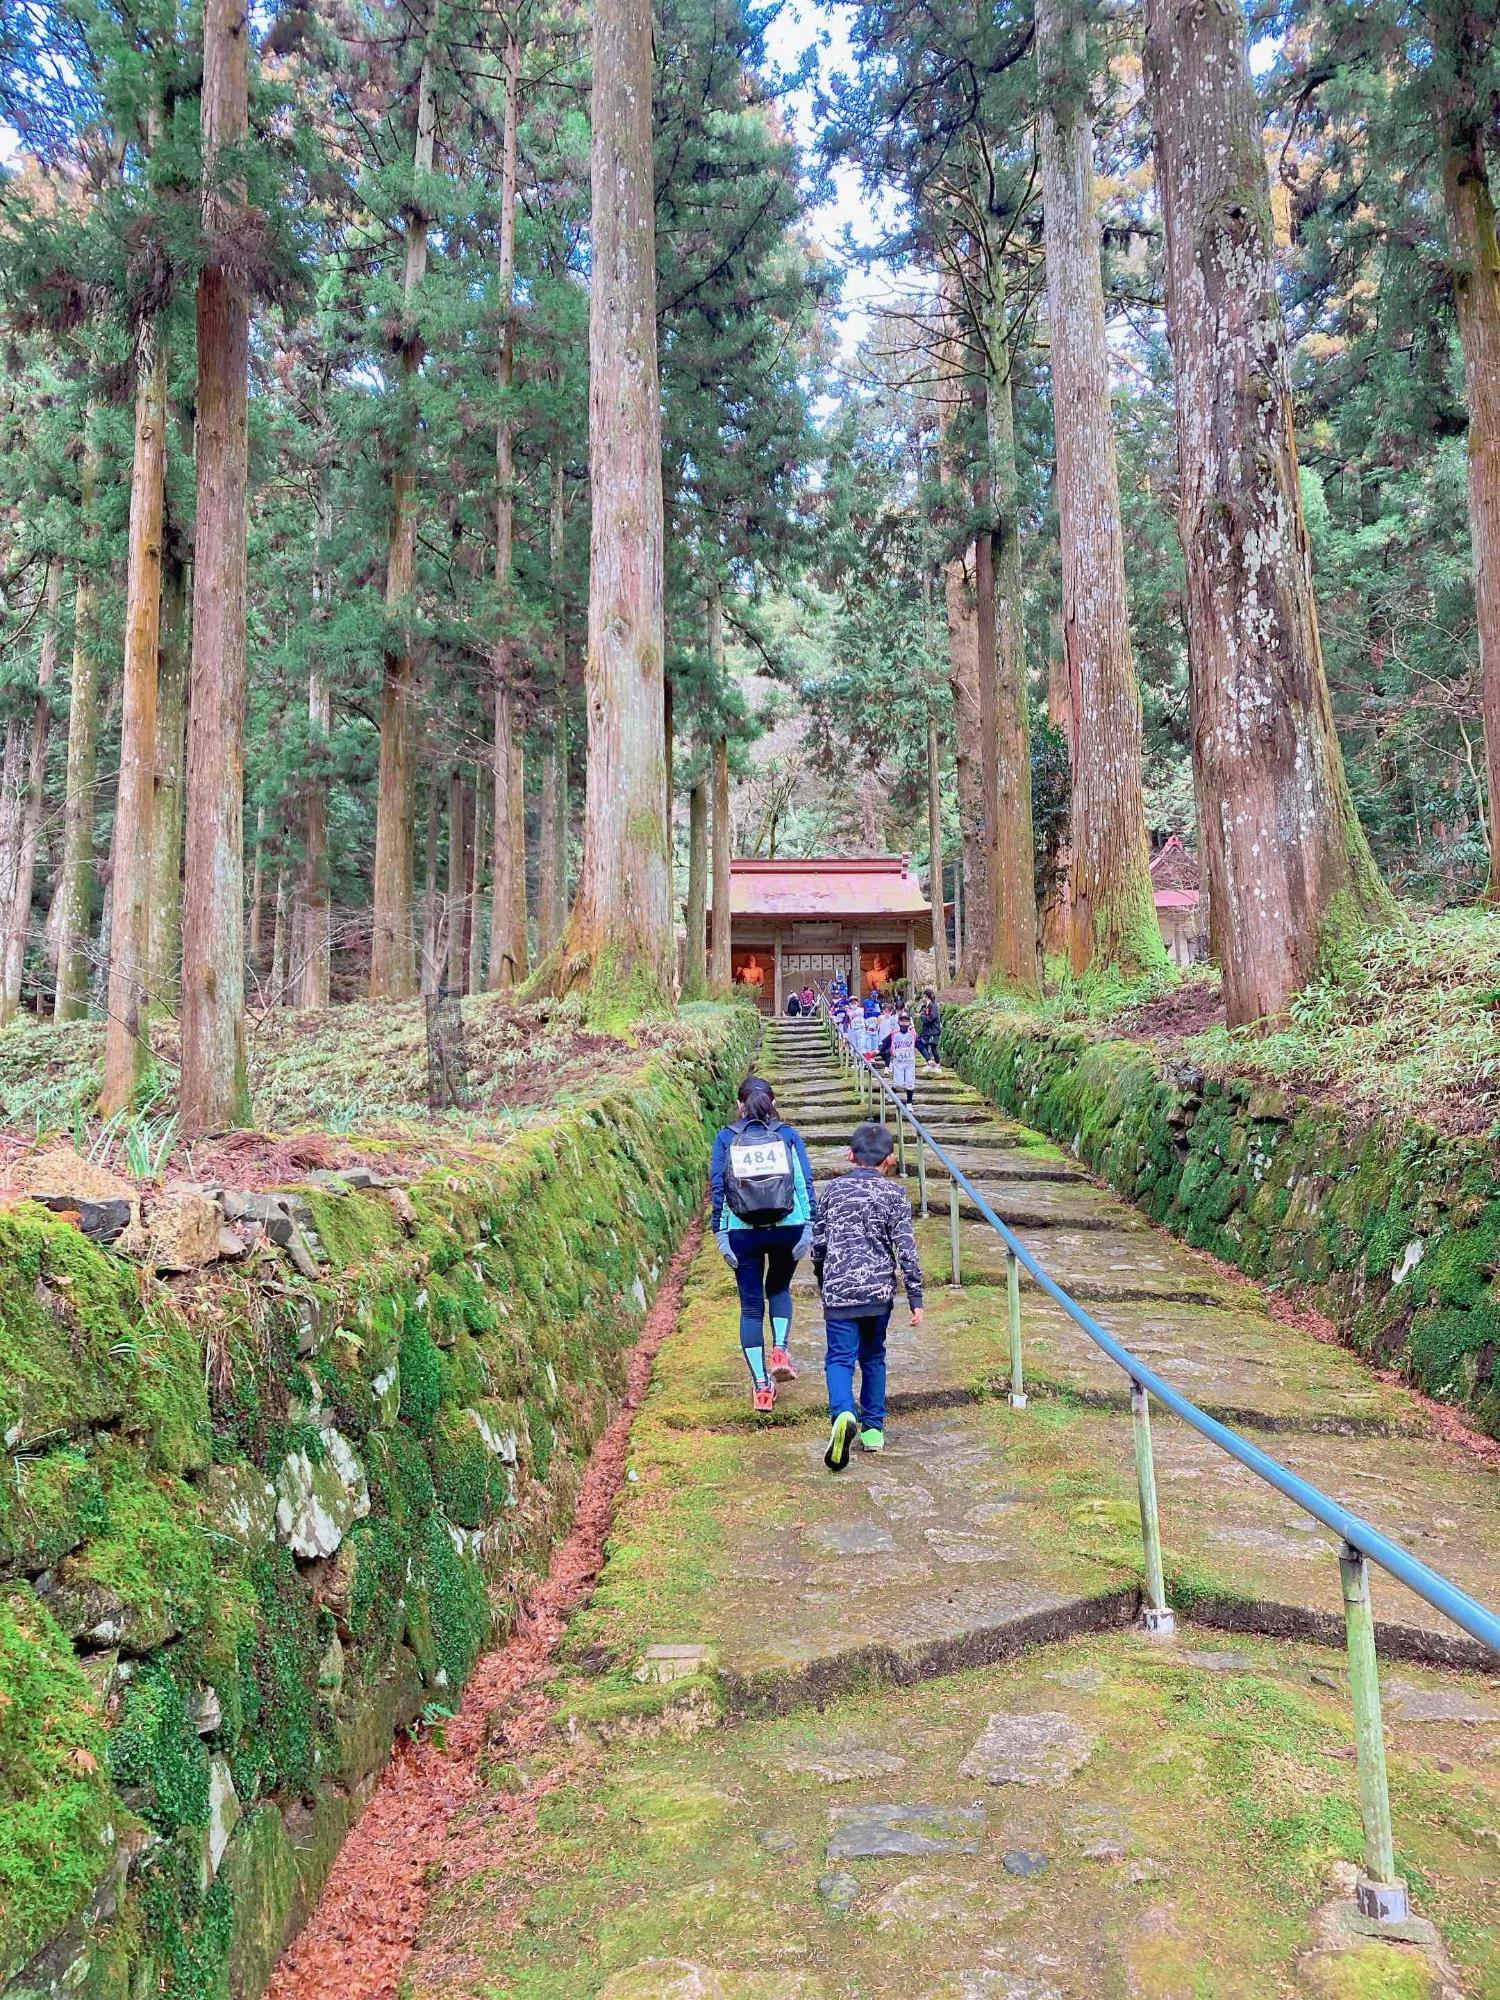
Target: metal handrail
[{"x": 1381, "y": 1896}]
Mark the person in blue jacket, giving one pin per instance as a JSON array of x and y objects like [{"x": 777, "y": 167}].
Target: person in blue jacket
[{"x": 762, "y": 1255}]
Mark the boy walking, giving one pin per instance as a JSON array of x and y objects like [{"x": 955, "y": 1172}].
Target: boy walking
[{"x": 862, "y": 1233}]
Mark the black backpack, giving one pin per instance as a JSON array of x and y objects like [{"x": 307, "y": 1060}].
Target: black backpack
[{"x": 758, "y": 1183}]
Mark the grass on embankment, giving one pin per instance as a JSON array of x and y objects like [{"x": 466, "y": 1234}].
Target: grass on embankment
[{"x": 1410, "y": 1024}]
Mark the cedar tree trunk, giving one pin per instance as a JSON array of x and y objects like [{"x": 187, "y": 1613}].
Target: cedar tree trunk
[
  {"x": 1286, "y": 863},
  {"x": 393, "y": 947},
  {"x": 18, "y": 913},
  {"x": 166, "y": 808},
  {"x": 213, "y": 1085},
  {"x": 1470, "y": 210},
  {"x": 935, "y": 852},
  {"x": 1113, "y": 911},
  {"x": 619, "y": 936},
  {"x": 75, "y": 891},
  {"x": 127, "y": 1036}
]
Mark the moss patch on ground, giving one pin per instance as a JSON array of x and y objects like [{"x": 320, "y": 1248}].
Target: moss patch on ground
[{"x": 1188, "y": 1853}]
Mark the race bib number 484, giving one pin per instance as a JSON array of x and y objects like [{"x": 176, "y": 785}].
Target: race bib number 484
[{"x": 759, "y": 1160}]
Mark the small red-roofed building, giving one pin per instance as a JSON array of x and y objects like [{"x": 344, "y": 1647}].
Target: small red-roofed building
[
  {"x": 804, "y": 922},
  {"x": 1181, "y": 906}
]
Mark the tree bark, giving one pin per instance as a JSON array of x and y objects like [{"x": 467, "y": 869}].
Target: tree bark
[
  {"x": 961, "y": 604},
  {"x": 434, "y": 929},
  {"x": 1288, "y": 870},
  {"x": 393, "y": 946},
  {"x": 1470, "y": 210},
  {"x": 257, "y": 889},
  {"x": 18, "y": 913},
  {"x": 505, "y": 969},
  {"x": 127, "y": 1032},
  {"x": 312, "y": 972},
  {"x": 76, "y": 874},
  {"x": 1112, "y": 909},
  {"x": 552, "y": 842},
  {"x": 719, "y": 961},
  {"x": 935, "y": 852},
  {"x": 279, "y": 930},
  {"x": 619, "y": 936},
  {"x": 506, "y": 966},
  {"x": 1013, "y": 852},
  {"x": 475, "y": 926},
  {"x": 458, "y": 885},
  {"x": 214, "y": 1092},
  {"x": 1056, "y": 915},
  {"x": 547, "y": 931},
  {"x": 694, "y": 962},
  {"x": 166, "y": 808}
]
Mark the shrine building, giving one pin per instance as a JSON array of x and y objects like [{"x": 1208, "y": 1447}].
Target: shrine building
[{"x": 801, "y": 923}]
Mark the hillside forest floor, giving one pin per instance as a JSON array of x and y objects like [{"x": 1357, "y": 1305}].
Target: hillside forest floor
[{"x": 1409, "y": 1025}]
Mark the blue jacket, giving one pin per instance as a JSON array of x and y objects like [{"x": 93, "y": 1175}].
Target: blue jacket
[{"x": 724, "y": 1217}]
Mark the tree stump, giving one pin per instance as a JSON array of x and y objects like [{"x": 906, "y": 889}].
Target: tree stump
[{"x": 447, "y": 1063}]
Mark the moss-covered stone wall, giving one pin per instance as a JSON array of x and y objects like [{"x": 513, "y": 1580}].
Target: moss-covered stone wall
[
  {"x": 250, "y": 1532},
  {"x": 1398, "y": 1225}
]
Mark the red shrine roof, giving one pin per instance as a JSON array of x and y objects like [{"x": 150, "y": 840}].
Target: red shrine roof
[
  {"x": 830, "y": 888},
  {"x": 1175, "y": 877}
]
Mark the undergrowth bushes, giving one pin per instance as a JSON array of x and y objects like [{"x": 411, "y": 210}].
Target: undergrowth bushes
[
  {"x": 1397, "y": 1224},
  {"x": 247, "y": 1535}
]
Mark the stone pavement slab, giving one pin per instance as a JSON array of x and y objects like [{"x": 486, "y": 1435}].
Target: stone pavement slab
[{"x": 1182, "y": 1834}]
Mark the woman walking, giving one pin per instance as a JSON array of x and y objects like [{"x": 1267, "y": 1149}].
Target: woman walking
[{"x": 762, "y": 1185}]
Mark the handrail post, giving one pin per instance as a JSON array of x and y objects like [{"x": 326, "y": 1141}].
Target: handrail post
[
  {"x": 953, "y": 1229},
  {"x": 1380, "y": 1893},
  {"x": 1013, "y": 1286},
  {"x": 922, "y": 1172},
  {"x": 901, "y": 1145},
  {"x": 1155, "y": 1615}
]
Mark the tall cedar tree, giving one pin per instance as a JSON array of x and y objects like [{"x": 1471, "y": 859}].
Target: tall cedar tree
[
  {"x": 1111, "y": 903},
  {"x": 1288, "y": 871},
  {"x": 619, "y": 938}
]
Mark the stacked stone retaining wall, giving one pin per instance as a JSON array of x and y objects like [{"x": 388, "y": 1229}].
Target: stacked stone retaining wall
[
  {"x": 252, "y": 1527},
  {"x": 1397, "y": 1225}
]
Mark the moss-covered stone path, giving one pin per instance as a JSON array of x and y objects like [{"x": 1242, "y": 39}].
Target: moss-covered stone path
[{"x": 895, "y": 1733}]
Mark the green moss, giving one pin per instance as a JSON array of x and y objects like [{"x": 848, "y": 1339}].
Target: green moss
[
  {"x": 48, "y": 1505},
  {"x": 152, "y": 1557},
  {"x": 529, "y": 1254},
  {"x": 453, "y": 1604},
  {"x": 282, "y": 1659},
  {"x": 355, "y": 1229},
  {"x": 154, "y": 1748},
  {"x": 1284, "y": 1192},
  {"x": 472, "y": 1481},
  {"x": 191, "y": 1927},
  {"x": 421, "y": 1375},
  {"x": 59, "y": 1804}
]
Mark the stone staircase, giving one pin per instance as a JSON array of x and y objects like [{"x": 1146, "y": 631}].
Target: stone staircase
[{"x": 921, "y": 1749}]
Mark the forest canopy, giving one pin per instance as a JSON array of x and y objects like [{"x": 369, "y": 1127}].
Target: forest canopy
[{"x": 442, "y": 519}]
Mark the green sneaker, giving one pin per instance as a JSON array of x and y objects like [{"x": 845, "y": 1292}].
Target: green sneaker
[
  {"x": 872, "y": 1440},
  {"x": 840, "y": 1441}
]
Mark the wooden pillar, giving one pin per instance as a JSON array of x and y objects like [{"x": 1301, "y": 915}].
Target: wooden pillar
[
  {"x": 776, "y": 976},
  {"x": 856, "y": 983}
]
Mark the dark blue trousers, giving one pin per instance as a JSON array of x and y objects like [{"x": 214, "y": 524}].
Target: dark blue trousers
[{"x": 858, "y": 1340}]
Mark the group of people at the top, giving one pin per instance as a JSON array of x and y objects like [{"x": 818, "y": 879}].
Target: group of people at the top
[{"x": 886, "y": 1031}]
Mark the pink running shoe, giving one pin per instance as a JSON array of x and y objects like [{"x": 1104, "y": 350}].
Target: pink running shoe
[
  {"x": 781, "y": 1366},
  {"x": 765, "y": 1397}
]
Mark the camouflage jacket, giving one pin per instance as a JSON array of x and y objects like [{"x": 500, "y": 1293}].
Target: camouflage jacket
[{"x": 862, "y": 1232}]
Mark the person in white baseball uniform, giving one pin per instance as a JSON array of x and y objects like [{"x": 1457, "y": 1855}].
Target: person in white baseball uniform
[{"x": 903, "y": 1048}]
